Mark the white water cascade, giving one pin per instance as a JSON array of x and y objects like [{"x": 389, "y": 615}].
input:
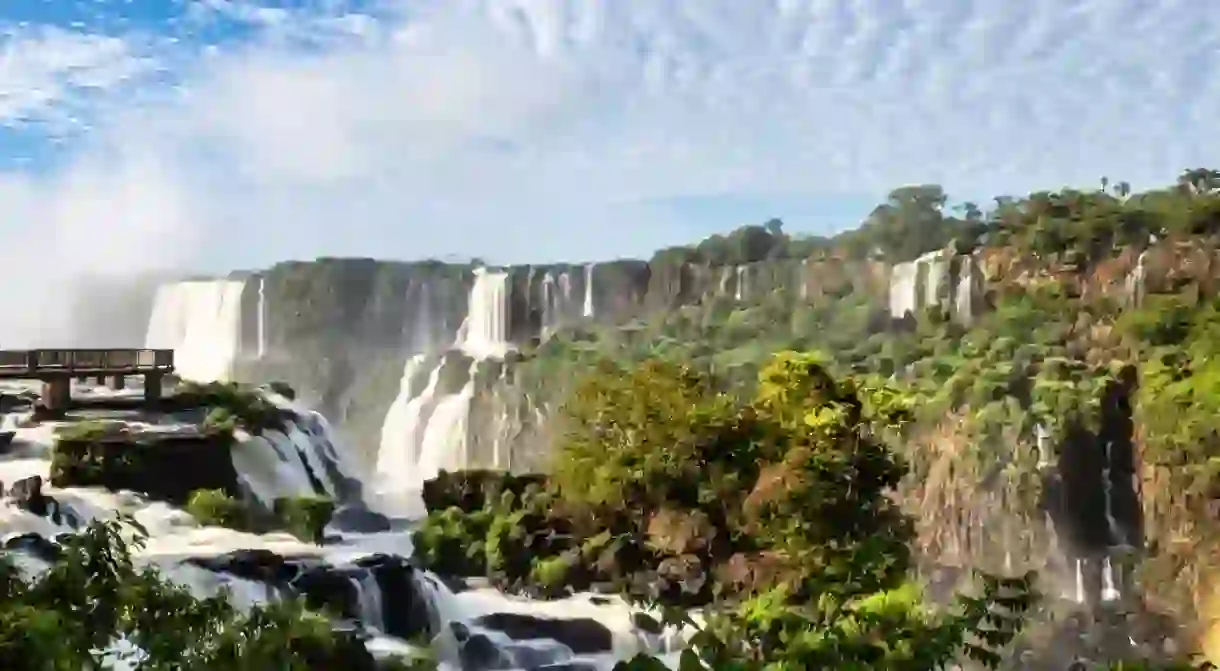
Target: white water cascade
[
  {"x": 588, "y": 306},
  {"x": 262, "y": 317},
  {"x": 428, "y": 429},
  {"x": 201, "y": 321},
  {"x": 486, "y": 328},
  {"x": 903, "y": 296}
]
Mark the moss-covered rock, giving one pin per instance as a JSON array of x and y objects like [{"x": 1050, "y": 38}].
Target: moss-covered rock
[
  {"x": 162, "y": 465},
  {"x": 232, "y": 405}
]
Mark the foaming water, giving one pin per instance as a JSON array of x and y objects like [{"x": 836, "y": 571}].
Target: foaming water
[
  {"x": 427, "y": 429},
  {"x": 201, "y": 322}
]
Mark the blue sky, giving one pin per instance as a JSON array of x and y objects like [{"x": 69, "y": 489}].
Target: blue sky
[{"x": 233, "y": 133}]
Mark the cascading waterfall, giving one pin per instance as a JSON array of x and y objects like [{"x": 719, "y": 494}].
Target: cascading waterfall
[
  {"x": 1042, "y": 438},
  {"x": 938, "y": 270},
  {"x": 588, "y": 307},
  {"x": 1080, "y": 596},
  {"x": 487, "y": 320},
  {"x": 903, "y": 298},
  {"x": 1117, "y": 537},
  {"x": 201, "y": 322},
  {"x": 429, "y": 430},
  {"x": 402, "y": 436},
  {"x": 741, "y": 283},
  {"x": 368, "y": 594},
  {"x": 726, "y": 275},
  {"x": 445, "y": 445},
  {"x": 262, "y": 317}
]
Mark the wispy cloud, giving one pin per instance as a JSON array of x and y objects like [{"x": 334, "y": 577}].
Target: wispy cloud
[
  {"x": 49, "y": 74},
  {"x": 544, "y": 129}
]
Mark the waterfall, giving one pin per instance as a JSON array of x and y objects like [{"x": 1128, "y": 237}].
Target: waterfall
[
  {"x": 903, "y": 299},
  {"x": 1108, "y": 591},
  {"x": 369, "y": 596},
  {"x": 402, "y": 436},
  {"x": 938, "y": 269},
  {"x": 1079, "y": 580},
  {"x": 262, "y": 317},
  {"x": 445, "y": 445},
  {"x": 588, "y": 308},
  {"x": 548, "y": 303},
  {"x": 487, "y": 320},
  {"x": 741, "y": 283},
  {"x": 965, "y": 294},
  {"x": 1042, "y": 438},
  {"x": 201, "y": 322},
  {"x": 428, "y": 430},
  {"x": 1135, "y": 280}
]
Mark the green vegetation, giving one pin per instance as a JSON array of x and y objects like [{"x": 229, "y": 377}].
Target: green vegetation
[
  {"x": 305, "y": 517},
  {"x": 232, "y": 406},
  {"x": 65, "y": 618},
  {"x": 216, "y": 508},
  {"x": 1063, "y": 337},
  {"x": 771, "y": 514}
]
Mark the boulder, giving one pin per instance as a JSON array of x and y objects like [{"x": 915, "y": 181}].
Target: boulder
[
  {"x": 357, "y": 518},
  {"x": 406, "y": 613},
  {"x": 581, "y": 635},
  {"x": 27, "y": 495},
  {"x": 35, "y": 545}
]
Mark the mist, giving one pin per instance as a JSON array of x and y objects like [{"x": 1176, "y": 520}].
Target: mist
[{"x": 78, "y": 246}]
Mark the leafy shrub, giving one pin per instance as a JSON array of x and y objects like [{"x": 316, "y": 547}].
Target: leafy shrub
[
  {"x": 305, "y": 516},
  {"x": 246, "y": 407},
  {"x": 67, "y": 617},
  {"x": 214, "y": 507}
]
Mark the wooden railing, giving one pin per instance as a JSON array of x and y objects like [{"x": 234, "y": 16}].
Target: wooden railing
[{"x": 116, "y": 361}]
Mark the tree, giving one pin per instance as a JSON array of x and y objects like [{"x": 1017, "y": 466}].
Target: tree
[{"x": 813, "y": 564}]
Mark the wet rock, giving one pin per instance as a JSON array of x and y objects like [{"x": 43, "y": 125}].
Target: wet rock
[
  {"x": 252, "y": 564},
  {"x": 581, "y": 635},
  {"x": 405, "y": 611},
  {"x": 537, "y": 654},
  {"x": 27, "y": 494},
  {"x": 478, "y": 651},
  {"x": 6, "y": 441},
  {"x": 34, "y": 545},
  {"x": 328, "y": 590},
  {"x": 356, "y": 518}
]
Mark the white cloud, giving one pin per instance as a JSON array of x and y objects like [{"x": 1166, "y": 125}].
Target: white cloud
[
  {"x": 47, "y": 72},
  {"x": 545, "y": 129}
]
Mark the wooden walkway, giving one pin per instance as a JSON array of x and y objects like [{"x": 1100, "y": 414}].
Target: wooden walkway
[
  {"x": 56, "y": 368},
  {"x": 43, "y": 364}
]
